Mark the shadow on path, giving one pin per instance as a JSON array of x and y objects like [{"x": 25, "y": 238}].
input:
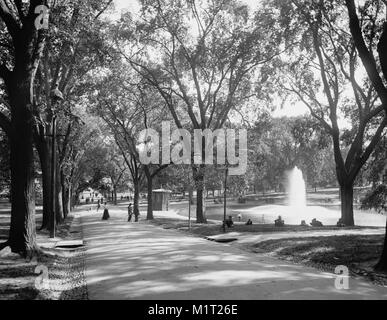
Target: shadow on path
[{"x": 142, "y": 261}]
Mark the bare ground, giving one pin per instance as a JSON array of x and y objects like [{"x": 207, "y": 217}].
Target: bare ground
[{"x": 20, "y": 279}]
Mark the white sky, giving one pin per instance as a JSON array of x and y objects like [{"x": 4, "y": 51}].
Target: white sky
[{"x": 133, "y": 6}]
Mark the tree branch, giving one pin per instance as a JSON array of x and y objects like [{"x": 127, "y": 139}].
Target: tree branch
[
  {"x": 9, "y": 19},
  {"x": 365, "y": 55}
]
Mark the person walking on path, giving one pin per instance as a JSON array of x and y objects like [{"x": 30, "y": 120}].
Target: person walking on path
[
  {"x": 130, "y": 212},
  {"x": 105, "y": 215},
  {"x": 98, "y": 205}
]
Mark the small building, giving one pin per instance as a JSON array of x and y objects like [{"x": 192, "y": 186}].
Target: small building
[
  {"x": 160, "y": 199},
  {"x": 89, "y": 196}
]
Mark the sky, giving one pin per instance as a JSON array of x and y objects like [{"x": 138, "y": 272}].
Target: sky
[
  {"x": 287, "y": 110},
  {"x": 132, "y": 5}
]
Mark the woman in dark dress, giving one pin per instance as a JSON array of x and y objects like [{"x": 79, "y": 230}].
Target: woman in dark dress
[{"x": 105, "y": 212}]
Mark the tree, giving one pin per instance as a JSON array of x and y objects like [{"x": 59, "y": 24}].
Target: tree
[
  {"x": 279, "y": 144},
  {"x": 208, "y": 53},
  {"x": 324, "y": 75},
  {"x": 24, "y": 46},
  {"x": 87, "y": 159},
  {"x": 369, "y": 41},
  {"x": 74, "y": 48},
  {"x": 114, "y": 169},
  {"x": 128, "y": 105},
  {"x": 314, "y": 154},
  {"x": 377, "y": 199}
]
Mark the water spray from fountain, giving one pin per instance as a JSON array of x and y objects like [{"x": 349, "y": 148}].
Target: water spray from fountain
[{"x": 296, "y": 189}]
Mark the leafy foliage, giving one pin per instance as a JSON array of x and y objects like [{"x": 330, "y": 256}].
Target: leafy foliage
[{"x": 376, "y": 199}]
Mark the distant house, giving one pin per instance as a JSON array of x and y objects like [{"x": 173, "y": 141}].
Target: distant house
[{"x": 89, "y": 196}]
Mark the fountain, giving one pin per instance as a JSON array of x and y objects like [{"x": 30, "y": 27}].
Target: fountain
[
  {"x": 295, "y": 209},
  {"x": 296, "y": 189}
]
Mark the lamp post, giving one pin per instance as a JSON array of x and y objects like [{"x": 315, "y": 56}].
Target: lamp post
[
  {"x": 56, "y": 96},
  {"x": 225, "y": 198},
  {"x": 53, "y": 178},
  {"x": 189, "y": 207}
]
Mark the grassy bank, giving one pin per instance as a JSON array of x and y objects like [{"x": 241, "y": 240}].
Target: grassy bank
[{"x": 357, "y": 252}]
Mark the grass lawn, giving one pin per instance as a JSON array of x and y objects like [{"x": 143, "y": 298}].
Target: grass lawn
[{"x": 358, "y": 252}]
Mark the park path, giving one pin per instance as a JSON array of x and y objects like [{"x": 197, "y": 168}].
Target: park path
[{"x": 142, "y": 261}]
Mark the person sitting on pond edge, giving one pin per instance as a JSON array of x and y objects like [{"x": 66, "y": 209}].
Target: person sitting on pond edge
[
  {"x": 279, "y": 222},
  {"x": 229, "y": 223},
  {"x": 316, "y": 223}
]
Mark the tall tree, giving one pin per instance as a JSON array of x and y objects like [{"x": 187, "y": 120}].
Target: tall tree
[
  {"x": 75, "y": 46},
  {"x": 201, "y": 57},
  {"x": 24, "y": 45},
  {"x": 128, "y": 105},
  {"x": 324, "y": 74},
  {"x": 369, "y": 35}
]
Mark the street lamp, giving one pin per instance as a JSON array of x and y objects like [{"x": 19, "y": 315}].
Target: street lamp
[
  {"x": 225, "y": 199},
  {"x": 56, "y": 97},
  {"x": 53, "y": 177},
  {"x": 225, "y": 168},
  {"x": 189, "y": 206}
]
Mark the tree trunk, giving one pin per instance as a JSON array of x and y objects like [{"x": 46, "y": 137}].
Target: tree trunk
[
  {"x": 149, "y": 213},
  {"x": 70, "y": 202},
  {"x": 136, "y": 196},
  {"x": 67, "y": 201},
  {"x": 75, "y": 199},
  {"x": 346, "y": 195},
  {"x": 382, "y": 264},
  {"x": 59, "y": 199},
  {"x": 22, "y": 235},
  {"x": 65, "y": 196},
  {"x": 44, "y": 152},
  {"x": 198, "y": 174},
  {"x": 115, "y": 195}
]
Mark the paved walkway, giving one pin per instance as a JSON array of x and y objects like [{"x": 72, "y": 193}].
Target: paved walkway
[{"x": 141, "y": 261}]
